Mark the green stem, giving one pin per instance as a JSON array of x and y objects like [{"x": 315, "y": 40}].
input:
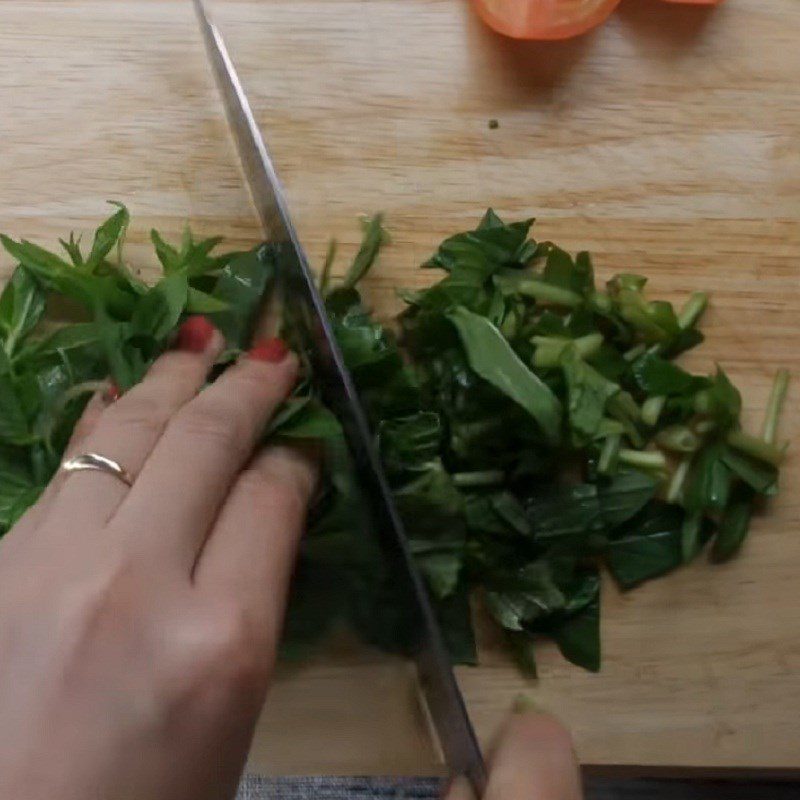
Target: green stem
[
  {"x": 602, "y": 302},
  {"x": 652, "y": 408},
  {"x": 693, "y": 310},
  {"x": 588, "y": 345},
  {"x": 549, "y": 349},
  {"x": 634, "y": 352},
  {"x": 676, "y": 484},
  {"x": 547, "y": 293},
  {"x": 325, "y": 275},
  {"x": 678, "y": 438},
  {"x": 609, "y": 454},
  {"x": 755, "y": 447},
  {"x": 623, "y": 404},
  {"x": 472, "y": 479},
  {"x": 643, "y": 459},
  {"x": 776, "y": 400}
]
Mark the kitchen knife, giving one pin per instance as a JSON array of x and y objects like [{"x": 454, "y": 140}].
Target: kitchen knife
[{"x": 302, "y": 301}]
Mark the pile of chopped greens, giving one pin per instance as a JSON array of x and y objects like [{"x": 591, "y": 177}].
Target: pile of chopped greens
[{"x": 534, "y": 426}]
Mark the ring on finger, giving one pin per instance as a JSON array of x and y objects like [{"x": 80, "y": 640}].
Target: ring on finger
[{"x": 99, "y": 463}]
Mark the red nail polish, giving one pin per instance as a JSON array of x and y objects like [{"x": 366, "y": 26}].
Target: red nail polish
[
  {"x": 112, "y": 393},
  {"x": 272, "y": 351},
  {"x": 195, "y": 334}
]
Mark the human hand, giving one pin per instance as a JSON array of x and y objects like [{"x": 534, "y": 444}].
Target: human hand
[
  {"x": 531, "y": 759},
  {"x": 138, "y": 626}
]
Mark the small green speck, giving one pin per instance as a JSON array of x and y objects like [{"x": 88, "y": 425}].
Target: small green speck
[{"x": 493, "y": 124}]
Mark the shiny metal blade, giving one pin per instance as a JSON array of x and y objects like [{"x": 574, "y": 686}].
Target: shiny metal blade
[{"x": 303, "y": 301}]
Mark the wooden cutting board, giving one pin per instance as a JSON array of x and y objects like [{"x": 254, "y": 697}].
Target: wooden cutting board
[{"x": 666, "y": 142}]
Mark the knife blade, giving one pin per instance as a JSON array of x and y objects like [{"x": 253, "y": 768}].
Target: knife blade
[{"x": 300, "y": 295}]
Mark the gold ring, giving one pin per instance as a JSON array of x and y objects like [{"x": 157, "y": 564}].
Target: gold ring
[{"x": 94, "y": 461}]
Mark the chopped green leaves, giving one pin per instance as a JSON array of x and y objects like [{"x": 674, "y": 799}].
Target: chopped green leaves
[
  {"x": 491, "y": 356},
  {"x": 527, "y": 377}
]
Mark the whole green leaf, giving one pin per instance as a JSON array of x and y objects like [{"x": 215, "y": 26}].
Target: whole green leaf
[
  {"x": 375, "y": 237},
  {"x": 494, "y": 360},
  {"x": 242, "y": 284},
  {"x": 157, "y": 313},
  {"x": 198, "y": 302},
  {"x": 73, "y": 248},
  {"x": 168, "y": 256},
  {"x": 21, "y": 308},
  {"x": 106, "y": 236},
  {"x": 36, "y": 258},
  {"x": 108, "y": 291},
  {"x": 67, "y": 337}
]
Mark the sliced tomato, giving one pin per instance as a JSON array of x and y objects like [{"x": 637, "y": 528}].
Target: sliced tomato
[{"x": 544, "y": 19}]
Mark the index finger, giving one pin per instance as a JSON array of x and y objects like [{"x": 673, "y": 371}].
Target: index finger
[{"x": 176, "y": 498}]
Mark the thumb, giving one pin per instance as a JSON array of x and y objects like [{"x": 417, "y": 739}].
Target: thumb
[
  {"x": 533, "y": 758},
  {"x": 459, "y": 789}
]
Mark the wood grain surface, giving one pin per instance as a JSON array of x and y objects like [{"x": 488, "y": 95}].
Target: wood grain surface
[{"x": 666, "y": 142}]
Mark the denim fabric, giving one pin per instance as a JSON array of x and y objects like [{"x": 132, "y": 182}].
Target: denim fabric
[{"x": 255, "y": 787}]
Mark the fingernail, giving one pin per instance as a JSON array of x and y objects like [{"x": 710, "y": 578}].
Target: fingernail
[
  {"x": 272, "y": 351},
  {"x": 112, "y": 393},
  {"x": 523, "y": 703},
  {"x": 195, "y": 335},
  {"x": 458, "y": 788}
]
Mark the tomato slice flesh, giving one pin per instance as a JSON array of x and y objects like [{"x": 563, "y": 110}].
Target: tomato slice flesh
[{"x": 544, "y": 19}]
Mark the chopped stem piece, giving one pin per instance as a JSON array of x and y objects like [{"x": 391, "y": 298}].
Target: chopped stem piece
[
  {"x": 676, "y": 484},
  {"x": 609, "y": 455},
  {"x": 644, "y": 459},
  {"x": 634, "y": 352},
  {"x": 679, "y": 438},
  {"x": 776, "y": 399},
  {"x": 757, "y": 448},
  {"x": 652, "y": 408},
  {"x": 693, "y": 310},
  {"x": 485, "y": 478}
]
